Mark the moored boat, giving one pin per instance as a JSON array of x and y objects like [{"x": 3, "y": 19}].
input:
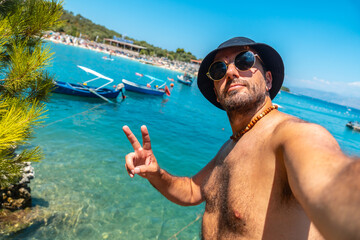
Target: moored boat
[
  {"x": 148, "y": 88},
  {"x": 354, "y": 126},
  {"x": 108, "y": 58},
  {"x": 185, "y": 79},
  {"x": 84, "y": 90}
]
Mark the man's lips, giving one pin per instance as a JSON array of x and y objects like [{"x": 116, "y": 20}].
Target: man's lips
[{"x": 235, "y": 86}]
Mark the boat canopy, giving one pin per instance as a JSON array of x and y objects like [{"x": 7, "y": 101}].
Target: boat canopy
[
  {"x": 98, "y": 75},
  {"x": 153, "y": 79}
]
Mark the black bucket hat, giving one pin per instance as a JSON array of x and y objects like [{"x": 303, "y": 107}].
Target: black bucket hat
[{"x": 268, "y": 55}]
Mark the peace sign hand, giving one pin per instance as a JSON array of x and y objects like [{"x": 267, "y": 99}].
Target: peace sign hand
[{"x": 142, "y": 161}]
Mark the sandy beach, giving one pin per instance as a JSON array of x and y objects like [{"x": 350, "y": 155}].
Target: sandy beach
[{"x": 180, "y": 67}]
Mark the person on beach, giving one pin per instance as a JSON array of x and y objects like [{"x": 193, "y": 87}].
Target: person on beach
[{"x": 277, "y": 177}]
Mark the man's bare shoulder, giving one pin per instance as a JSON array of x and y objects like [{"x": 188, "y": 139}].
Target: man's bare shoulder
[
  {"x": 294, "y": 131},
  {"x": 292, "y": 124},
  {"x": 286, "y": 121}
]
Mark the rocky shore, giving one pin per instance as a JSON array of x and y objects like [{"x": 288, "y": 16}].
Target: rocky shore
[
  {"x": 18, "y": 196},
  {"x": 15, "y": 203}
]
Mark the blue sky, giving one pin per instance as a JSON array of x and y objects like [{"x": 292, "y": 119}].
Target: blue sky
[{"x": 319, "y": 41}]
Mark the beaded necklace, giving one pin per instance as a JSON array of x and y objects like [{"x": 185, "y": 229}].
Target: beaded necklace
[{"x": 237, "y": 135}]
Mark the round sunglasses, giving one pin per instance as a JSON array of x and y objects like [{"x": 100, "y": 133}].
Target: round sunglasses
[{"x": 243, "y": 62}]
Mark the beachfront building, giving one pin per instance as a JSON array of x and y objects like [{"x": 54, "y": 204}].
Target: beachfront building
[
  {"x": 123, "y": 45},
  {"x": 198, "y": 62}
]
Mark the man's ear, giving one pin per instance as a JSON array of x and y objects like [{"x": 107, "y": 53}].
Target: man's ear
[{"x": 268, "y": 80}]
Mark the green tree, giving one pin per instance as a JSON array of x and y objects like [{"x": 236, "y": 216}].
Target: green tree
[
  {"x": 170, "y": 57},
  {"x": 24, "y": 82},
  {"x": 285, "y": 89},
  {"x": 74, "y": 24},
  {"x": 180, "y": 51}
]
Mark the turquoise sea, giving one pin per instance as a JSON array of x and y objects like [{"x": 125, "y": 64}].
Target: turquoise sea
[{"x": 81, "y": 188}]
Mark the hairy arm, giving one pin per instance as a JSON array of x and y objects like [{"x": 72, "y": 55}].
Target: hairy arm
[
  {"x": 180, "y": 190},
  {"x": 184, "y": 191},
  {"x": 324, "y": 180}
]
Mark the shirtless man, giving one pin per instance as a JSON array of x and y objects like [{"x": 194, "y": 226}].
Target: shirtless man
[{"x": 278, "y": 177}]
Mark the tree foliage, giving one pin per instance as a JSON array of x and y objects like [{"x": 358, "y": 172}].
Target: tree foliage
[
  {"x": 24, "y": 82},
  {"x": 75, "y": 24},
  {"x": 285, "y": 89}
]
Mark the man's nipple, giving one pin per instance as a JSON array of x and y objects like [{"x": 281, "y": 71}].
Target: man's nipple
[
  {"x": 237, "y": 214},
  {"x": 240, "y": 221}
]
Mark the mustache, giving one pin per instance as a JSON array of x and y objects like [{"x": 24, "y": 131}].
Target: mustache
[{"x": 236, "y": 81}]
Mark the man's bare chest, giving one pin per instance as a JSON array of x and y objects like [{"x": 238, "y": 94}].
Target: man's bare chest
[
  {"x": 238, "y": 184},
  {"x": 241, "y": 188}
]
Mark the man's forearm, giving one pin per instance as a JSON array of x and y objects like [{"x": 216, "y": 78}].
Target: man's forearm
[
  {"x": 180, "y": 190},
  {"x": 341, "y": 201}
]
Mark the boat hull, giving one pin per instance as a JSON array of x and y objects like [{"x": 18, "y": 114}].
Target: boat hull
[
  {"x": 187, "y": 82},
  {"x": 184, "y": 82},
  {"x": 353, "y": 126},
  {"x": 134, "y": 87},
  {"x": 83, "y": 91}
]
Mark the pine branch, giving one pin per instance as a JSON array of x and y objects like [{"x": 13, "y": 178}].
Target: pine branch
[
  {"x": 24, "y": 81},
  {"x": 41, "y": 16},
  {"x": 5, "y": 34},
  {"x": 17, "y": 121},
  {"x": 41, "y": 88},
  {"x": 25, "y": 67}
]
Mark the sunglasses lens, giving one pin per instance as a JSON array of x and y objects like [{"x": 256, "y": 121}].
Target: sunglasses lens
[
  {"x": 244, "y": 61},
  {"x": 217, "y": 70}
]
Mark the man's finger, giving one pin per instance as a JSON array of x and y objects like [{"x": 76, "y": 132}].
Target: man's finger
[
  {"x": 129, "y": 172},
  {"x": 141, "y": 169},
  {"x": 132, "y": 139},
  {"x": 146, "y": 138},
  {"x": 129, "y": 163}
]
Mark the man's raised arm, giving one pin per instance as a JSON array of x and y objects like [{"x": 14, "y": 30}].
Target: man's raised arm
[
  {"x": 324, "y": 180},
  {"x": 180, "y": 190}
]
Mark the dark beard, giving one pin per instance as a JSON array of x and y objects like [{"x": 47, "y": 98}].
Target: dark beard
[{"x": 235, "y": 102}]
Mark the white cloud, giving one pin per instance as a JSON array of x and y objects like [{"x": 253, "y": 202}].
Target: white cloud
[
  {"x": 342, "y": 88},
  {"x": 321, "y": 80},
  {"x": 305, "y": 81},
  {"x": 356, "y": 84}
]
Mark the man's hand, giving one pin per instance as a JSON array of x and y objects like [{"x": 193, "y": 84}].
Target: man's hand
[{"x": 142, "y": 161}]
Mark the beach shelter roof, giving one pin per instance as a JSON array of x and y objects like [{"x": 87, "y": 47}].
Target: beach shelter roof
[{"x": 124, "y": 43}]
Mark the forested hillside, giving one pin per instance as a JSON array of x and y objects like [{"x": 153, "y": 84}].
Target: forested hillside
[{"x": 76, "y": 24}]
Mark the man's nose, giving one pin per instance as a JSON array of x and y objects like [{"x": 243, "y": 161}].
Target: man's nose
[{"x": 232, "y": 72}]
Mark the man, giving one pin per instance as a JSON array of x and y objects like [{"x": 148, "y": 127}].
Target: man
[{"x": 278, "y": 177}]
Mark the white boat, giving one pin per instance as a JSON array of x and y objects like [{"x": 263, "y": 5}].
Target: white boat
[
  {"x": 107, "y": 58},
  {"x": 185, "y": 79},
  {"x": 148, "y": 88},
  {"x": 354, "y": 126}
]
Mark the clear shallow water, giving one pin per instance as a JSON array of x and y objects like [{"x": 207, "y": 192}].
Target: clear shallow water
[{"x": 82, "y": 188}]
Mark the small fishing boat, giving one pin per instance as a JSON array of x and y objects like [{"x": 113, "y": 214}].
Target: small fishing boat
[
  {"x": 108, "y": 58},
  {"x": 84, "y": 90},
  {"x": 148, "y": 88},
  {"x": 185, "y": 79},
  {"x": 354, "y": 126}
]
